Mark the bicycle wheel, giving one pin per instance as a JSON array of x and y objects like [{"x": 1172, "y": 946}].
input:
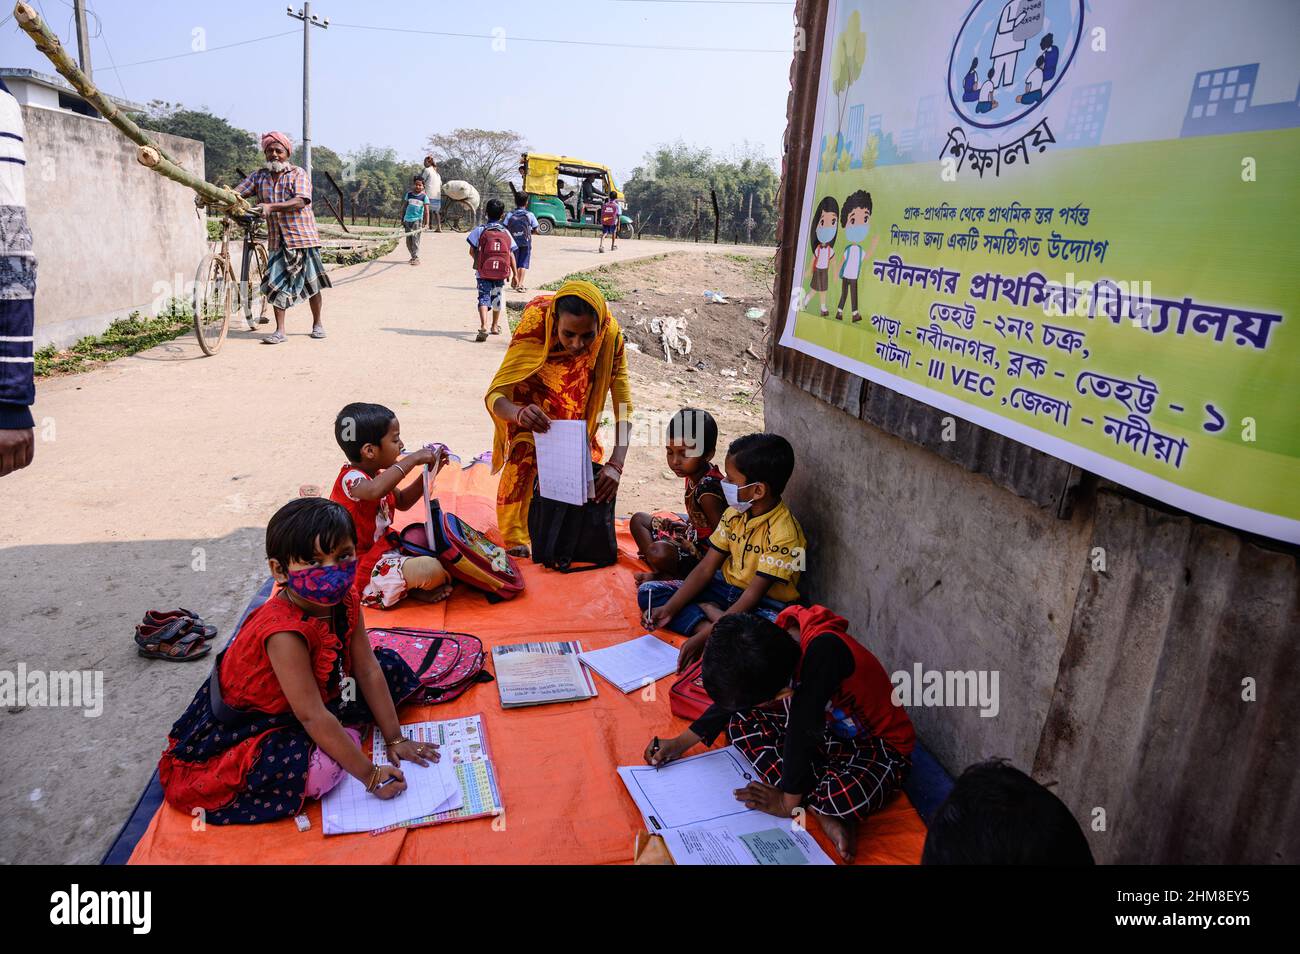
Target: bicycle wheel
[
  {"x": 254, "y": 302},
  {"x": 214, "y": 286},
  {"x": 458, "y": 214}
]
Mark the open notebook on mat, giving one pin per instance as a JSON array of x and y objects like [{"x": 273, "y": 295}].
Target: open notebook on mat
[
  {"x": 531, "y": 674},
  {"x": 348, "y": 807},
  {"x": 635, "y": 663},
  {"x": 692, "y": 804},
  {"x": 463, "y": 744}
]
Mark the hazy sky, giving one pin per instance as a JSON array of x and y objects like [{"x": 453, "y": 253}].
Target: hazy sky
[{"x": 387, "y": 88}]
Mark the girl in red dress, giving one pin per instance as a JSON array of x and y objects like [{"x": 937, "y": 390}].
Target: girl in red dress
[{"x": 281, "y": 717}]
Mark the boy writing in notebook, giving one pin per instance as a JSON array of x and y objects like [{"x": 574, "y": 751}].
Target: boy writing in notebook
[
  {"x": 812, "y": 710},
  {"x": 754, "y": 556}
]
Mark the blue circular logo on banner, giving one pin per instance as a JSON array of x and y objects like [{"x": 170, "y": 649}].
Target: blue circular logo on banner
[{"x": 1008, "y": 57}]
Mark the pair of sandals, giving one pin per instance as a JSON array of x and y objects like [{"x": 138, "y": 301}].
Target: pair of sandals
[
  {"x": 483, "y": 335},
  {"x": 279, "y": 337},
  {"x": 178, "y": 635}
]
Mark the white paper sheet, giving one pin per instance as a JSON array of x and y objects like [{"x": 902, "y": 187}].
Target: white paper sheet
[
  {"x": 749, "y": 839},
  {"x": 348, "y": 807},
  {"x": 633, "y": 664},
  {"x": 691, "y": 792},
  {"x": 692, "y": 803},
  {"x": 564, "y": 462}
]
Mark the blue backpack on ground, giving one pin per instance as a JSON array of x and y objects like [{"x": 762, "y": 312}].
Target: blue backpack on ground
[{"x": 520, "y": 228}]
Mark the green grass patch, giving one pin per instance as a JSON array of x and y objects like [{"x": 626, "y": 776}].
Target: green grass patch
[
  {"x": 126, "y": 336},
  {"x": 761, "y": 269},
  {"x": 602, "y": 278}
]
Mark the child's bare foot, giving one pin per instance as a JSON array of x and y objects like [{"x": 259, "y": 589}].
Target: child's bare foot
[
  {"x": 644, "y": 577},
  {"x": 436, "y": 595},
  {"x": 519, "y": 551},
  {"x": 712, "y": 611},
  {"x": 843, "y": 833}
]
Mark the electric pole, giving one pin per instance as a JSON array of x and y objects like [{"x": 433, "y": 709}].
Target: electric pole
[
  {"x": 309, "y": 20},
  {"x": 83, "y": 37}
]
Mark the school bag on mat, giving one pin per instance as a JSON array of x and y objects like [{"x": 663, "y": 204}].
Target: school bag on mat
[
  {"x": 446, "y": 663},
  {"x": 494, "y": 254},
  {"x": 687, "y": 698},
  {"x": 520, "y": 228},
  {"x": 563, "y": 534},
  {"x": 464, "y": 552}
]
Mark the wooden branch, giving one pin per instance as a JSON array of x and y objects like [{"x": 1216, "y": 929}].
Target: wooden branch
[
  {"x": 215, "y": 196},
  {"x": 149, "y": 153}
]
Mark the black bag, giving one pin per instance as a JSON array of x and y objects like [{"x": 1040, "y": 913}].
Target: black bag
[{"x": 563, "y": 534}]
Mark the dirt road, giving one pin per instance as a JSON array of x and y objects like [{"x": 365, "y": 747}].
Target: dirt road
[{"x": 153, "y": 481}]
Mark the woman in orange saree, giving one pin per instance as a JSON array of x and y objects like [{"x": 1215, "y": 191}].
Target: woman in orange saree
[{"x": 565, "y": 357}]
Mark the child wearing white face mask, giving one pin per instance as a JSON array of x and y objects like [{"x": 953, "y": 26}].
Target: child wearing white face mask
[{"x": 754, "y": 557}]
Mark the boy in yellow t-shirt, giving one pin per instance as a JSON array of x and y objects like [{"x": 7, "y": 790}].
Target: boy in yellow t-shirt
[{"x": 754, "y": 557}]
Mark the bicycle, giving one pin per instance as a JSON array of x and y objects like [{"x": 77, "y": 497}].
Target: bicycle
[{"x": 215, "y": 288}]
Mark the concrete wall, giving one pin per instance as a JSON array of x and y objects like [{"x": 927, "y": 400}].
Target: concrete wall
[
  {"x": 108, "y": 233},
  {"x": 934, "y": 565}
]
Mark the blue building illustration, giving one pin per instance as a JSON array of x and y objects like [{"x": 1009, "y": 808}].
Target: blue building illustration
[
  {"x": 1221, "y": 102},
  {"x": 1087, "y": 116},
  {"x": 854, "y": 139}
]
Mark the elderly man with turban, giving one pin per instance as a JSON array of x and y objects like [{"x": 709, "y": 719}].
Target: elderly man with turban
[{"x": 295, "y": 271}]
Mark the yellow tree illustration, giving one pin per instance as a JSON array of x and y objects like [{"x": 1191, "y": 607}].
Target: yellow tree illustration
[{"x": 846, "y": 66}]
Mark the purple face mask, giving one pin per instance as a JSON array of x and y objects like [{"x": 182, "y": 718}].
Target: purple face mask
[{"x": 323, "y": 584}]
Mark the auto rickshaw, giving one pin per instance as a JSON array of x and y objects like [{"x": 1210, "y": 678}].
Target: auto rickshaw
[{"x": 567, "y": 193}]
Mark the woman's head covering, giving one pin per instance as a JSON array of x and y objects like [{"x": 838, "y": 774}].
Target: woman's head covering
[
  {"x": 276, "y": 136},
  {"x": 531, "y": 344}
]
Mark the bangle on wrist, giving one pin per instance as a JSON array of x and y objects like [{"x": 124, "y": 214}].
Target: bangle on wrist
[
  {"x": 374, "y": 778},
  {"x": 398, "y": 465},
  {"x": 397, "y": 741}
]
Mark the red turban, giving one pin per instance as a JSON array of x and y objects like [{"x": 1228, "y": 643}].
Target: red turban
[{"x": 279, "y": 137}]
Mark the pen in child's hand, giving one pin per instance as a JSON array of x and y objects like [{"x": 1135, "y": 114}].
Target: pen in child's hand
[{"x": 654, "y": 750}]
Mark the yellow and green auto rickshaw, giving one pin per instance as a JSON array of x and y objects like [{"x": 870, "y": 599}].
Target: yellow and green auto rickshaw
[{"x": 567, "y": 193}]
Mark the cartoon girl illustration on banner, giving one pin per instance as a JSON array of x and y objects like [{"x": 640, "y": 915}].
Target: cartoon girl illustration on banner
[
  {"x": 857, "y": 223},
  {"x": 826, "y": 226}
]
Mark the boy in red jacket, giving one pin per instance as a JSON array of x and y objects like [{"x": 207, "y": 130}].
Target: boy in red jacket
[{"x": 811, "y": 708}]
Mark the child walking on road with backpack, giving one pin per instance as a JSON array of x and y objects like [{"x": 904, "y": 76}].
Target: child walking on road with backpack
[
  {"x": 522, "y": 226},
  {"x": 492, "y": 249},
  {"x": 609, "y": 215}
]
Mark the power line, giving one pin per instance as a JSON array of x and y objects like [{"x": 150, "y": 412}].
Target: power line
[
  {"x": 540, "y": 39},
  {"x": 210, "y": 49},
  {"x": 99, "y": 23}
]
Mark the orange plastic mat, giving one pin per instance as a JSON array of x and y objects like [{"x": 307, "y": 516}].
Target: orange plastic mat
[{"x": 556, "y": 763}]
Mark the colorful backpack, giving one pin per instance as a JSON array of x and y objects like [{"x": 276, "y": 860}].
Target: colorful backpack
[
  {"x": 520, "y": 228},
  {"x": 447, "y": 664},
  {"x": 494, "y": 253},
  {"x": 687, "y": 698},
  {"x": 464, "y": 552},
  {"x": 609, "y": 213}
]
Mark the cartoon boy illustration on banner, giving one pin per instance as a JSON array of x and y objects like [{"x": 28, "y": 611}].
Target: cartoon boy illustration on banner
[{"x": 857, "y": 222}]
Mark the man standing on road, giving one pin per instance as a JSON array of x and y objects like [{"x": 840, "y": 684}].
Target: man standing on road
[
  {"x": 17, "y": 289},
  {"x": 295, "y": 270},
  {"x": 432, "y": 189}
]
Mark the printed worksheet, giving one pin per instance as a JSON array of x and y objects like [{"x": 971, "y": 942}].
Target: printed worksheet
[
  {"x": 635, "y": 663},
  {"x": 564, "y": 462},
  {"x": 692, "y": 804}
]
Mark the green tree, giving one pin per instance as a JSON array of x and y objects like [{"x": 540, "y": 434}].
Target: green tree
[
  {"x": 486, "y": 158},
  {"x": 226, "y": 148},
  {"x": 662, "y": 193},
  {"x": 847, "y": 60}
]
